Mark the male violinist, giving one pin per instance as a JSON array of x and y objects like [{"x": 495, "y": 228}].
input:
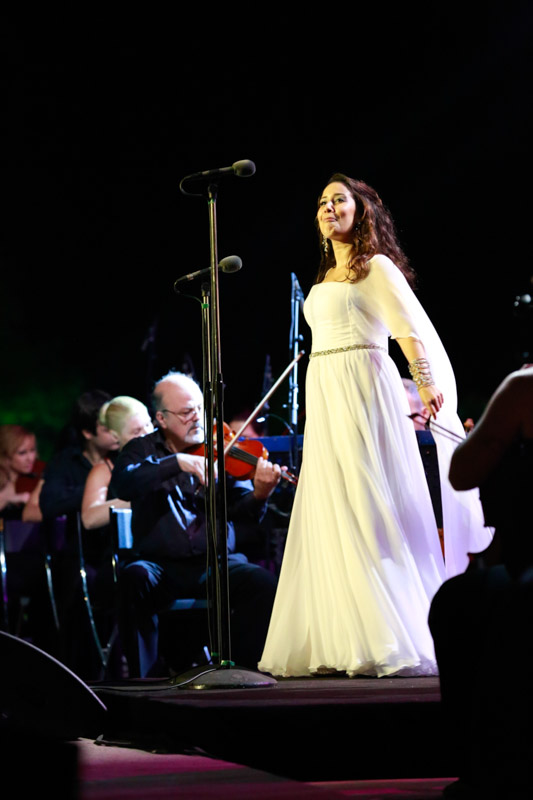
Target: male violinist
[{"x": 164, "y": 484}]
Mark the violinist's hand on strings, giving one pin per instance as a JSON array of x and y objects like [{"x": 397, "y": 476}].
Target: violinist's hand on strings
[
  {"x": 432, "y": 399},
  {"x": 267, "y": 476},
  {"x": 196, "y": 465}
]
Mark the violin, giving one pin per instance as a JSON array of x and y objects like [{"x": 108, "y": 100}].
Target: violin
[{"x": 242, "y": 455}]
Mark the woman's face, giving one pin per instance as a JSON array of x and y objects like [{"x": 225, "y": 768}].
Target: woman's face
[
  {"x": 137, "y": 425},
  {"x": 23, "y": 458},
  {"x": 336, "y": 213}
]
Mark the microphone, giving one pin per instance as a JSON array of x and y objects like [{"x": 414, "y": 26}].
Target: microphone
[
  {"x": 297, "y": 291},
  {"x": 242, "y": 169},
  {"x": 228, "y": 264}
]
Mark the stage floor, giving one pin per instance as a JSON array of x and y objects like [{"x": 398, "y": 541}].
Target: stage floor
[{"x": 316, "y": 729}]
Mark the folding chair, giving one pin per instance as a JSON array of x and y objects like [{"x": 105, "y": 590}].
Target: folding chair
[
  {"x": 122, "y": 546},
  {"x": 24, "y": 550}
]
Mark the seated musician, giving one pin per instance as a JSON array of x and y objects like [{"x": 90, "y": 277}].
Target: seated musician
[
  {"x": 85, "y": 442},
  {"x": 20, "y": 470},
  {"x": 23, "y": 569},
  {"x": 164, "y": 484},
  {"x": 126, "y": 418},
  {"x": 481, "y": 620}
]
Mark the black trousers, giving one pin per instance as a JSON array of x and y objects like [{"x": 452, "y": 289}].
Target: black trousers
[{"x": 148, "y": 586}]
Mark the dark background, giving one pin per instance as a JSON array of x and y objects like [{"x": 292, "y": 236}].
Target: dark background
[{"x": 103, "y": 117}]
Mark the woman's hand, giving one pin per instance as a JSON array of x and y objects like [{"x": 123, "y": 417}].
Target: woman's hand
[{"x": 432, "y": 399}]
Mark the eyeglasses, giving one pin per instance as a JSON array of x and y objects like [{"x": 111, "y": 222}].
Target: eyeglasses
[{"x": 188, "y": 414}]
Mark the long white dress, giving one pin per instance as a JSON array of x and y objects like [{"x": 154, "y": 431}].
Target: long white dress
[{"x": 363, "y": 559}]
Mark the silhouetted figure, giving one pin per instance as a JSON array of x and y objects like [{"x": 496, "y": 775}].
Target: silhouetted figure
[{"x": 481, "y": 621}]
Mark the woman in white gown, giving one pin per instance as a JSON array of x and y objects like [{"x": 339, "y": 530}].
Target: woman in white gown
[{"x": 363, "y": 558}]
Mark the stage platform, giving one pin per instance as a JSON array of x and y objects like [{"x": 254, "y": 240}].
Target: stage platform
[{"x": 315, "y": 729}]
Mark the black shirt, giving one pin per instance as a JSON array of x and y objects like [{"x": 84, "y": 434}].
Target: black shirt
[
  {"x": 64, "y": 482},
  {"x": 168, "y": 509}
]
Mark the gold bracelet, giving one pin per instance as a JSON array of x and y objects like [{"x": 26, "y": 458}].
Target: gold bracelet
[{"x": 421, "y": 373}]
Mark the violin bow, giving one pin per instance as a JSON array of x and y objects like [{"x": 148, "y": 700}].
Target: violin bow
[
  {"x": 265, "y": 399},
  {"x": 430, "y": 425}
]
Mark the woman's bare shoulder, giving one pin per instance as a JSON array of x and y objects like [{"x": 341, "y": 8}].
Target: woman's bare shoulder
[{"x": 100, "y": 472}]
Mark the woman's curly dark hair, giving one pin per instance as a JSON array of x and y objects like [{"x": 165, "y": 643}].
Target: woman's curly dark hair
[{"x": 373, "y": 233}]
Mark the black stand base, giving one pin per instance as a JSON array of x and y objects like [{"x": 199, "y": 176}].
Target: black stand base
[
  {"x": 216, "y": 677},
  {"x": 208, "y": 676}
]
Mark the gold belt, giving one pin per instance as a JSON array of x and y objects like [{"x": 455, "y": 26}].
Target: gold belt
[{"x": 345, "y": 349}]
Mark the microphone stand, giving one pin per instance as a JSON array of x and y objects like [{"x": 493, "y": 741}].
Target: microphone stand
[
  {"x": 223, "y": 674},
  {"x": 297, "y": 298}
]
